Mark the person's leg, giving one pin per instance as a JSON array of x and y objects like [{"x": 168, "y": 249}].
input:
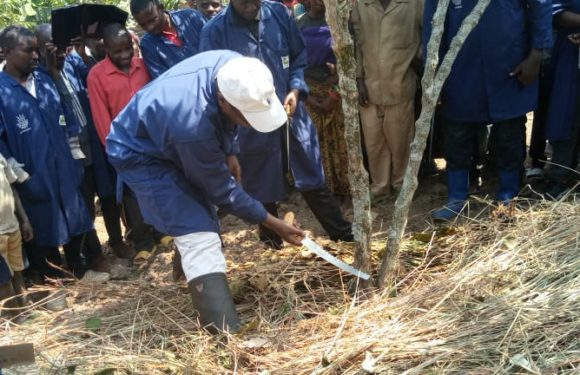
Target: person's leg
[
  {"x": 399, "y": 129},
  {"x": 326, "y": 209},
  {"x": 6, "y": 290},
  {"x": 88, "y": 190},
  {"x": 140, "y": 232},
  {"x": 268, "y": 236},
  {"x": 16, "y": 262},
  {"x": 379, "y": 156},
  {"x": 537, "y": 149},
  {"x": 72, "y": 253},
  {"x": 112, "y": 219},
  {"x": 93, "y": 252},
  {"x": 40, "y": 258},
  {"x": 459, "y": 139},
  {"x": 509, "y": 159},
  {"x": 204, "y": 266},
  {"x": 564, "y": 157}
]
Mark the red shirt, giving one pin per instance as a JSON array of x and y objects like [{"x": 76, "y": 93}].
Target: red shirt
[
  {"x": 110, "y": 89},
  {"x": 172, "y": 35}
]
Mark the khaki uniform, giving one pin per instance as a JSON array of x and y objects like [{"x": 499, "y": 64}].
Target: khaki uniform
[{"x": 387, "y": 41}]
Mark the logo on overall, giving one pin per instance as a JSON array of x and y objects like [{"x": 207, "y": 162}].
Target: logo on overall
[{"x": 22, "y": 123}]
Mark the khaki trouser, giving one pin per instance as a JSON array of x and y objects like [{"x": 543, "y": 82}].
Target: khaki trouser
[
  {"x": 11, "y": 250},
  {"x": 388, "y": 132}
]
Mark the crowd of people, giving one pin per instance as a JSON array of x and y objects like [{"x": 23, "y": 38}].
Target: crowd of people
[{"x": 227, "y": 109}]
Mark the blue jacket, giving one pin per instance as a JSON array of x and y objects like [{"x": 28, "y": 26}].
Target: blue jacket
[
  {"x": 564, "y": 72},
  {"x": 160, "y": 54},
  {"x": 105, "y": 178},
  {"x": 170, "y": 150},
  {"x": 479, "y": 88},
  {"x": 280, "y": 46},
  {"x": 34, "y": 132}
]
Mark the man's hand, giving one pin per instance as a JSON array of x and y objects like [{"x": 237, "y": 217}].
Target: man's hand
[
  {"x": 51, "y": 59},
  {"x": 288, "y": 232},
  {"x": 234, "y": 166},
  {"x": 363, "y": 94},
  {"x": 26, "y": 231},
  {"x": 291, "y": 101},
  {"x": 527, "y": 71},
  {"x": 79, "y": 45}
]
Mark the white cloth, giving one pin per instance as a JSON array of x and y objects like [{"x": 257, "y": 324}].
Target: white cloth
[
  {"x": 201, "y": 254},
  {"x": 30, "y": 85},
  {"x": 8, "y": 220},
  {"x": 21, "y": 174}
]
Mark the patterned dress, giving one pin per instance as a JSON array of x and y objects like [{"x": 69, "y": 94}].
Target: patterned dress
[{"x": 329, "y": 125}]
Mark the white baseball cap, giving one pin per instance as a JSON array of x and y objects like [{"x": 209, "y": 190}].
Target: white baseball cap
[{"x": 247, "y": 84}]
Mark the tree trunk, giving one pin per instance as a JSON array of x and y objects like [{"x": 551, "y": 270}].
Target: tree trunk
[
  {"x": 432, "y": 82},
  {"x": 337, "y": 16}
]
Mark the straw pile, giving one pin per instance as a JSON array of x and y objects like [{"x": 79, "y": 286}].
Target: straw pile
[{"x": 480, "y": 298}]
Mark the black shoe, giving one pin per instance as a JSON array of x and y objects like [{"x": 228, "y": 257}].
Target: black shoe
[
  {"x": 270, "y": 238},
  {"x": 346, "y": 237},
  {"x": 213, "y": 302}
]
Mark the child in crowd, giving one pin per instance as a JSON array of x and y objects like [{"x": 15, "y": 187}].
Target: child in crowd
[{"x": 14, "y": 227}]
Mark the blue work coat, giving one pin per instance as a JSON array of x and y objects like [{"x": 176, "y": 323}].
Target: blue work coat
[
  {"x": 280, "y": 46},
  {"x": 480, "y": 88},
  {"x": 170, "y": 150},
  {"x": 105, "y": 179},
  {"x": 34, "y": 131},
  {"x": 160, "y": 54},
  {"x": 564, "y": 71}
]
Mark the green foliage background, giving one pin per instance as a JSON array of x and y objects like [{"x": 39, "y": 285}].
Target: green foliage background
[{"x": 33, "y": 12}]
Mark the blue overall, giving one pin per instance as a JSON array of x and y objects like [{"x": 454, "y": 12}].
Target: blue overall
[
  {"x": 263, "y": 156},
  {"x": 170, "y": 150},
  {"x": 161, "y": 54},
  {"x": 565, "y": 78},
  {"x": 480, "y": 88},
  {"x": 34, "y": 131},
  {"x": 76, "y": 71}
]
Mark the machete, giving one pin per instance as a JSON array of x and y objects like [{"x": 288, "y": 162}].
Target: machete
[{"x": 319, "y": 251}]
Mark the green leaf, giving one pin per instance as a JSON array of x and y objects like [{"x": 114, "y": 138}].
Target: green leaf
[
  {"x": 29, "y": 10},
  {"x": 93, "y": 323}
]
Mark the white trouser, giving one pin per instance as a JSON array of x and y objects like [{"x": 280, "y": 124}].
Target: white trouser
[{"x": 201, "y": 254}]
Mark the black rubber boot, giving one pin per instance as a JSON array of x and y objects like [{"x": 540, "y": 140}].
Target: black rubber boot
[
  {"x": 213, "y": 302},
  {"x": 324, "y": 206},
  {"x": 267, "y": 236}
]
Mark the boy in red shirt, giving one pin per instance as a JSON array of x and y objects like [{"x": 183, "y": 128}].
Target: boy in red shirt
[
  {"x": 111, "y": 84},
  {"x": 113, "y": 81}
]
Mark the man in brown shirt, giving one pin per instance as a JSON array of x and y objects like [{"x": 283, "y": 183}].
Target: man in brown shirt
[{"x": 387, "y": 40}]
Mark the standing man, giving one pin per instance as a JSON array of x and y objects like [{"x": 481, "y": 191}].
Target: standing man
[
  {"x": 209, "y": 8},
  {"x": 170, "y": 150},
  {"x": 265, "y": 30},
  {"x": 69, "y": 73},
  {"x": 34, "y": 132},
  {"x": 387, "y": 41},
  {"x": 112, "y": 83},
  {"x": 170, "y": 36},
  {"x": 493, "y": 81},
  {"x": 563, "y": 118}
]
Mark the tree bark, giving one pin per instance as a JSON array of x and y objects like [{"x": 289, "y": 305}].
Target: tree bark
[
  {"x": 337, "y": 16},
  {"x": 433, "y": 79}
]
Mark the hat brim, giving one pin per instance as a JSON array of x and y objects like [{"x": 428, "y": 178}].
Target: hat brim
[{"x": 269, "y": 120}]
